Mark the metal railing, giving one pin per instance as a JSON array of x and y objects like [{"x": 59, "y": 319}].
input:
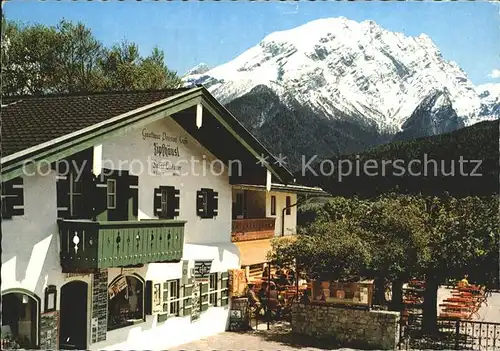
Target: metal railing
[{"x": 451, "y": 335}]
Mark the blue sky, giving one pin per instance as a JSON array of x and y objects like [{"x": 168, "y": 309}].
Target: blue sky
[{"x": 216, "y": 32}]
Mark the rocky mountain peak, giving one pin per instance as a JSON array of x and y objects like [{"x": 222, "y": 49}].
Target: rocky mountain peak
[{"x": 362, "y": 73}]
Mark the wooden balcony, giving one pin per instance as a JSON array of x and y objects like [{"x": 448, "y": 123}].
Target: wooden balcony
[
  {"x": 252, "y": 229},
  {"x": 89, "y": 245}
]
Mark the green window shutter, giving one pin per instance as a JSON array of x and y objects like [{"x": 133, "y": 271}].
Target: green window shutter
[
  {"x": 162, "y": 317},
  {"x": 164, "y": 292},
  {"x": 62, "y": 187},
  {"x": 133, "y": 197},
  {"x": 157, "y": 202},
  {"x": 204, "y": 296},
  {"x": 176, "y": 202},
  {"x": 148, "y": 298},
  {"x": 213, "y": 203},
  {"x": 88, "y": 193},
  {"x": 199, "y": 204},
  {"x": 15, "y": 198},
  {"x": 172, "y": 202},
  {"x": 187, "y": 302},
  {"x": 224, "y": 286}
]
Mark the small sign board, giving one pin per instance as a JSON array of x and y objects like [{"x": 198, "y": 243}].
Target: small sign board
[
  {"x": 238, "y": 316},
  {"x": 202, "y": 270}
]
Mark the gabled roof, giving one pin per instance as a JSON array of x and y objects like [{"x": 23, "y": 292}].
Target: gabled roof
[
  {"x": 28, "y": 121},
  {"x": 52, "y": 126}
]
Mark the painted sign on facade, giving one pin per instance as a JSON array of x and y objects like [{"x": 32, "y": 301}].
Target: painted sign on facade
[
  {"x": 237, "y": 282},
  {"x": 117, "y": 286},
  {"x": 202, "y": 270},
  {"x": 165, "y": 156}
]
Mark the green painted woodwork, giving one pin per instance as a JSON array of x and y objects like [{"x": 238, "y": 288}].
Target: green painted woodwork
[{"x": 103, "y": 244}]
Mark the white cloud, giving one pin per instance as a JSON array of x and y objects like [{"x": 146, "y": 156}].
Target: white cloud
[{"x": 494, "y": 74}]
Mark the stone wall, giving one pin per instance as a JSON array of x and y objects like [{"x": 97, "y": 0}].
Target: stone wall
[
  {"x": 99, "y": 305},
  {"x": 49, "y": 331},
  {"x": 351, "y": 327}
]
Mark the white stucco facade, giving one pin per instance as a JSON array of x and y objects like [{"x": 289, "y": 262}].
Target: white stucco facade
[
  {"x": 290, "y": 222},
  {"x": 30, "y": 243},
  {"x": 195, "y": 173}
]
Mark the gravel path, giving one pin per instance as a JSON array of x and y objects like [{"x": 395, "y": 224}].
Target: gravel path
[{"x": 277, "y": 339}]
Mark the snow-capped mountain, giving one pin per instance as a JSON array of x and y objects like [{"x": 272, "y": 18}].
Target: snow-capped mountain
[{"x": 343, "y": 70}]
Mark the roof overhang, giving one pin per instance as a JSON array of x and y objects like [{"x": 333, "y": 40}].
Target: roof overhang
[
  {"x": 296, "y": 189},
  {"x": 14, "y": 165}
]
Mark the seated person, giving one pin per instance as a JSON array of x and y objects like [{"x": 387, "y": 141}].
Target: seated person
[
  {"x": 283, "y": 281},
  {"x": 265, "y": 273},
  {"x": 273, "y": 304},
  {"x": 253, "y": 301},
  {"x": 262, "y": 294}
]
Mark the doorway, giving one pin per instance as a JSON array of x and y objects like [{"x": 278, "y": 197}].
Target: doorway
[
  {"x": 20, "y": 314},
  {"x": 73, "y": 316}
]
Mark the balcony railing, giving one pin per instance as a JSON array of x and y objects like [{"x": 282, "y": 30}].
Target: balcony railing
[
  {"x": 252, "y": 229},
  {"x": 88, "y": 245}
]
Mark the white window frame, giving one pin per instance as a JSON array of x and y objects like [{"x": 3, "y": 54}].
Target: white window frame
[
  {"x": 217, "y": 292},
  {"x": 170, "y": 304},
  {"x": 111, "y": 194},
  {"x": 213, "y": 291},
  {"x": 72, "y": 194},
  {"x": 174, "y": 299}
]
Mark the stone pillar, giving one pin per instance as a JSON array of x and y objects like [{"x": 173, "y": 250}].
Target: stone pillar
[
  {"x": 99, "y": 322},
  {"x": 49, "y": 331}
]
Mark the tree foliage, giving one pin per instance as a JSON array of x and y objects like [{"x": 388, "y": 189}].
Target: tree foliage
[
  {"x": 39, "y": 59},
  {"x": 396, "y": 237}
]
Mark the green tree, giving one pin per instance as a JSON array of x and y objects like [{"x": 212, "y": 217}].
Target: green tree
[
  {"x": 332, "y": 250},
  {"x": 38, "y": 59},
  {"x": 463, "y": 239},
  {"x": 397, "y": 236}
]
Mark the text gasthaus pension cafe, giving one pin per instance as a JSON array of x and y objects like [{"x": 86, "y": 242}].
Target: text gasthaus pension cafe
[{"x": 100, "y": 252}]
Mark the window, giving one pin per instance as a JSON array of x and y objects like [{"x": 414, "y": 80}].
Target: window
[
  {"x": 125, "y": 302},
  {"x": 167, "y": 298},
  {"x": 212, "y": 290},
  {"x": 215, "y": 292},
  {"x": 204, "y": 201},
  {"x": 207, "y": 203},
  {"x": 172, "y": 298},
  {"x": 239, "y": 206},
  {"x": 166, "y": 202},
  {"x": 111, "y": 194},
  {"x": 20, "y": 320},
  {"x": 273, "y": 205},
  {"x": 75, "y": 195},
  {"x": 288, "y": 204}
]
